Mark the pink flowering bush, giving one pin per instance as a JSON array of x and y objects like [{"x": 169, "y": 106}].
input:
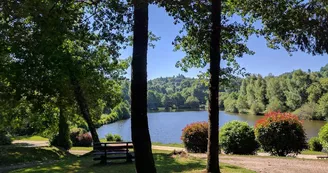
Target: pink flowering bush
[{"x": 194, "y": 137}]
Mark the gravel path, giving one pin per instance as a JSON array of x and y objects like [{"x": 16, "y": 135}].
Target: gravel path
[{"x": 277, "y": 165}]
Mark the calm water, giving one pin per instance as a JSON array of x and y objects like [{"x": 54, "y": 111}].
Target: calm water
[{"x": 166, "y": 127}]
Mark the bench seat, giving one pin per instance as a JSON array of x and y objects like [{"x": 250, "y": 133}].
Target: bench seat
[{"x": 113, "y": 151}]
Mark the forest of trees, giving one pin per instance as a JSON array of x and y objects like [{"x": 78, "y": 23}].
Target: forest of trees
[
  {"x": 179, "y": 92},
  {"x": 304, "y": 93}
]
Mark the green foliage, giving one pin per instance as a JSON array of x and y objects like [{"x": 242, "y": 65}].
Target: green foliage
[
  {"x": 275, "y": 105},
  {"x": 153, "y": 100},
  {"x": 314, "y": 91},
  {"x": 315, "y": 144},
  {"x": 257, "y": 108},
  {"x": 238, "y": 138},
  {"x": 280, "y": 133},
  {"x": 323, "y": 106},
  {"x": 60, "y": 54},
  {"x": 111, "y": 138},
  {"x": 230, "y": 104},
  {"x": 194, "y": 137},
  {"x": 323, "y": 136},
  {"x": 4, "y": 139},
  {"x": 122, "y": 110},
  {"x": 308, "y": 111},
  {"x": 192, "y": 102}
]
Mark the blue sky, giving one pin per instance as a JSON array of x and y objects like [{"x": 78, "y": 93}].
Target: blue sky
[{"x": 162, "y": 59}]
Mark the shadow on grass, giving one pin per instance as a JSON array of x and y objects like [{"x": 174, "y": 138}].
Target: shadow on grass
[
  {"x": 17, "y": 154},
  {"x": 164, "y": 164}
]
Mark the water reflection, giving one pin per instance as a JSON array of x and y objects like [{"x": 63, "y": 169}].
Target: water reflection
[{"x": 166, "y": 127}]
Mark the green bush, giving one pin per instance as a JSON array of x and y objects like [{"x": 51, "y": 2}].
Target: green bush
[
  {"x": 256, "y": 108},
  {"x": 4, "y": 139},
  {"x": 118, "y": 138},
  {"x": 308, "y": 111},
  {"x": 111, "y": 137},
  {"x": 75, "y": 133},
  {"x": 323, "y": 136},
  {"x": 315, "y": 144},
  {"x": 194, "y": 137},
  {"x": 280, "y": 133},
  {"x": 238, "y": 138}
]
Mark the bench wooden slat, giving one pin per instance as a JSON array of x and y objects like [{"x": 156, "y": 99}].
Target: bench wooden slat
[{"x": 112, "y": 151}]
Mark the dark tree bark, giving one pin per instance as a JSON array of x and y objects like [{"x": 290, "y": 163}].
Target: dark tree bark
[
  {"x": 139, "y": 123},
  {"x": 64, "y": 140},
  {"x": 84, "y": 108},
  {"x": 213, "y": 121}
]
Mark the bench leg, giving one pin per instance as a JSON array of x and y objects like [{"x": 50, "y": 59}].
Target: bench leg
[
  {"x": 103, "y": 160},
  {"x": 129, "y": 158}
]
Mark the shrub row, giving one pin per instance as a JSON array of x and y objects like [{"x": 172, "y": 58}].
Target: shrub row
[
  {"x": 277, "y": 133},
  {"x": 113, "y": 138}
]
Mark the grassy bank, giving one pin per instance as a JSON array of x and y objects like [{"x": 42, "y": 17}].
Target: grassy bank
[{"x": 165, "y": 163}]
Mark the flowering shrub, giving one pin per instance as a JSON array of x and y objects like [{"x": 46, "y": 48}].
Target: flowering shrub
[
  {"x": 194, "y": 137},
  {"x": 75, "y": 133},
  {"x": 238, "y": 138},
  {"x": 280, "y": 133},
  {"x": 315, "y": 144},
  {"x": 84, "y": 140}
]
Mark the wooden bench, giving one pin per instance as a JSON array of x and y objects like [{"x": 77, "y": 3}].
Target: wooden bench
[
  {"x": 113, "y": 151},
  {"x": 322, "y": 157}
]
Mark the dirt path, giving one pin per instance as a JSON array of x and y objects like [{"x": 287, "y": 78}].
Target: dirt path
[{"x": 32, "y": 143}]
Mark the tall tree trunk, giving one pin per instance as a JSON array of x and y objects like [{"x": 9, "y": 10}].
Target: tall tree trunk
[
  {"x": 139, "y": 123},
  {"x": 213, "y": 121},
  {"x": 64, "y": 140},
  {"x": 81, "y": 101}
]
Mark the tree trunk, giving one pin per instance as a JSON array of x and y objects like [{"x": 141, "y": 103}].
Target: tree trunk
[
  {"x": 213, "y": 121},
  {"x": 139, "y": 123},
  {"x": 81, "y": 101},
  {"x": 64, "y": 140}
]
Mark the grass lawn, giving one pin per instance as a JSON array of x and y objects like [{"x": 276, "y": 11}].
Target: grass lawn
[
  {"x": 308, "y": 152},
  {"x": 82, "y": 148},
  {"x": 169, "y": 145},
  {"x": 12, "y": 154},
  {"x": 165, "y": 163},
  {"x": 30, "y": 138}
]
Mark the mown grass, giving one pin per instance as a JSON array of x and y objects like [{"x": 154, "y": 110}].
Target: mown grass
[
  {"x": 82, "y": 148},
  {"x": 165, "y": 163},
  {"x": 30, "y": 138},
  {"x": 11, "y": 155},
  {"x": 180, "y": 145},
  {"x": 308, "y": 152}
]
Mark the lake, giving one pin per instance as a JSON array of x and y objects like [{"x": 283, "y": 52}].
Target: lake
[{"x": 166, "y": 127}]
